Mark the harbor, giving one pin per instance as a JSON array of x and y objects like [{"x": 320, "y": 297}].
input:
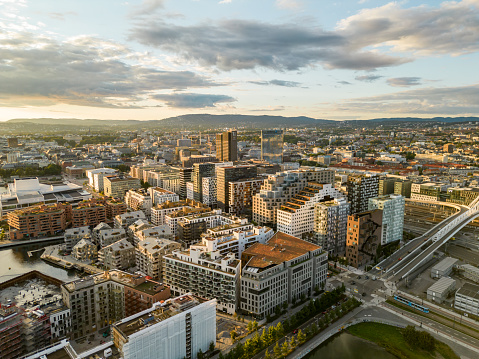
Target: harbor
[{"x": 53, "y": 254}]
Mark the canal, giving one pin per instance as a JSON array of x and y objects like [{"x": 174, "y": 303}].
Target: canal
[
  {"x": 16, "y": 261},
  {"x": 347, "y": 346}
]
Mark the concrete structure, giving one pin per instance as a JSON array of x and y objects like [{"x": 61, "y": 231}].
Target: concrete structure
[
  {"x": 11, "y": 320},
  {"x": 467, "y": 299},
  {"x": 109, "y": 236},
  {"x": 74, "y": 235},
  {"x": 201, "y": 170},
  {"x": 227, "y": 174},
  {"x": 208, "y": 275},
  {"x": 173, "y": 218},
  {"x": 403, "y": 188},
  {"x": 97, "y": 301},
  {"x": 161, "y": 195},
  {"x": 227, "y": 146},
  {"x": 118, "y": 255},
  {"x": 95, "y": 177},
  {"x": 139, "y": 200},
  {"x": 330, "y": 225},
  {"x": 85, "y": 251},
  {"x": 296, "y": 216},
  {"x": 26, "y": 192},
  {"x": 176, "y": 329},
  {"x": 209, "y": 191},
  {"x": 428, "y": 192},
  {"x": 190, "y": 191},
  {"x": 364, "y": 237},
  {"x": 284, "y": 268},
  {"x": 117, "y": 185},
  {"x": 470, "y": 272},
  {"x": 150, "y": 253},
  {"x": 360, "y": 189},
  {"x": 158, "y": 213},
  {"x": 280, "y": 188},
  {"x": 126, "y": 219},
  {"x": 386, "y": 186},
  {"x": 272, "y": 146},
  {"x": 393, "y": 216},
  {"x": 443, "y": 268},
  {"x": 241, "y": 195},
  {"x": 439, "y": 291}
]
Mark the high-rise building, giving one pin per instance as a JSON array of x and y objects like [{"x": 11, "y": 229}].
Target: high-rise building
[
  {"x": 241, "y": 195},
  {"x": 176, "y": 329},
  {"x": 209, "y": 191},
  {"x": 393, "y": 216},
  {"x": 330, "y": 223},
  {"x": 201, "y": 170},
  {"x": 296, "y": 216},
  {"x": 272, "y": 146},
  {"x": 360, "y": 189},
  {"x": 386, "y": 186},
  {"x": 186, "y": 175},
  {"x": 403, "y": 188},
  {"x": 11, "y": 343},
  {"x": 449, "y": 148},
  {"x": 117, "y": 185},
  {"x": 284, "y": 268},
  {"x": 224, "y": 175},
  {"x": 364, "y": 237},
  {"x": 227, "y": 146}
]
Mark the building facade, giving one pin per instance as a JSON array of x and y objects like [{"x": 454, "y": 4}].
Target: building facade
[
  {"x": 360, "y": 189},
  {"x": 330, "y": 225},
  {"x": 227, "y": 146},
  {"x": 393, "y": 216},
  {"x": 272, "y": 146}
]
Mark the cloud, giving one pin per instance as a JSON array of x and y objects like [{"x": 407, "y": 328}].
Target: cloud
[
  {"x": 61, "y": 15},
  {"x": 85, "y": 71},
  {"x": 225, "y": 2},
  {"x": 193, "y": 100},
  {"x": 277, "y": 83},
  {"x": 368, "y": 78},
  {"x": 373, "y": 38},
  {"x": 288, "y": 4},
  {"x": 344, "y": 83},
  {"x": 240, "y": 44},
  {"x": 460, "y": 100},
  {"x": 404, "y": 81},
  {"x": 147, "y": 7}
]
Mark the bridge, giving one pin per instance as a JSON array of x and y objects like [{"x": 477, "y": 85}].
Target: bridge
[{"x": 418, "y": 251}]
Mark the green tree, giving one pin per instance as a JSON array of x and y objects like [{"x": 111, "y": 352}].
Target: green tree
[
  {"x": 250, "y": 326},
  {"x": 301, "y": 337},
  {"x": 277, "y": 350},
  {"x": 267, "y": 355},
  {"x": 212, "y": 346},
  {"x": 292, "y": 342},
  {"x": 233, "y": 335},
  {"x": 285, "y": 348},
  {"x": 255, "y": 325},
  {"x": 279, "y": 330}
]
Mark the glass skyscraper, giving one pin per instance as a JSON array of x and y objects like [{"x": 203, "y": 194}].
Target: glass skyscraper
[{"x": 272, "y": 146}]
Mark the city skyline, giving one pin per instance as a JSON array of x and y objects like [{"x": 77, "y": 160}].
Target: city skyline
[{"x": 155, "y": 59}]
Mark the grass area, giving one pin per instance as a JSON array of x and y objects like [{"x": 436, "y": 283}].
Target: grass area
[{"x": 392, "y": 340}]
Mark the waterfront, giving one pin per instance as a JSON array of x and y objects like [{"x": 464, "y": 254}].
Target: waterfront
[
  {"x": 347, "y": 346},
  {"x": 15, "y": 261}
]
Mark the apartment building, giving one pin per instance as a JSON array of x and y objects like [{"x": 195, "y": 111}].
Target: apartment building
[
  {"x": 193, "y": 224},
  {"x": 109, "y": 236},
  {"x": 118, "y": 255},
  {"x": 284, "y": 268},
  {"x": 176, "y": 329},
  {"x": 241, "y": 195},
  {"x": 235, "y": 242},
  {"x": 139, "y": 200},
  {"x": 126, "y": 219},
  {"x": 201, "y": 170},
  {"x": 279, "y": 188},
  {"x": 73, "y": 235},
  {"x": 117, "y": 185},
  {"x": 89, "y": 213},
  {"x": 393, "y": 216},
  {"x": 150, "y": 231},
  {"x": 330, "y": 225},
  {"x": 85, "y": 251},
  {"x": 208, "y": 275},
  {"x": 95, "y": 177},
  {"x": 114, "y": 207},
  {"x": 209, "y": 191},
  {"x": 99, "y": 300},
  {"x": 150, "y": 255},
  {"x": 360, "y": 188},
  {"x": 38, "y": 221},
  {"x": 172, "y": 219},
  {"x": 386, "y": 186},
  {"x": 95, "y": 232},
  {"x": 227, "y": 174},
  {"x": 161, "y": 195},
  {"x": 137, "y": 226},
  {"x": 11, "y": 320},
  {"x": 158, "y": 213},
  {"x": 364, "y": 237},
  {"x": 296, "y": 216}
]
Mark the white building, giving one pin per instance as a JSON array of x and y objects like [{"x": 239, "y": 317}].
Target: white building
[
  {"x": 297, "y": 215},
  {"x": 467, "y": 299},
  {"x": 118, "y": 255},
  {"x": 160, "y": 195},
  {"x": 393, "y": 216},
  {"x": 159, "y": 212},
  {"x": 276, "y": 272},
  {"x": 209, "y": 191},
  {"x": 150, "y": 253},
  {"x": 330, "y": 225},
  {"x": 110, "y": 236},
  {"x": 139, "y": 200},
  {"x": 205, "y": 274},
  {"x": 190, "y": 190},
  {"x": 95, "y": 177},
  {"x": 74, "y": 235},
  {"x": 125, "y": 219},
  {"x": 175, "y": 329}
]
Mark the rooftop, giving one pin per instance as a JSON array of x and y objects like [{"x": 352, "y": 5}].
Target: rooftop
[{"x": 469, "y": 290}]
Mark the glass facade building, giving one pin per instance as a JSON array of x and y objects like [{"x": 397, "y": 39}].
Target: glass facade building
[{"x": 272, "y": 146}]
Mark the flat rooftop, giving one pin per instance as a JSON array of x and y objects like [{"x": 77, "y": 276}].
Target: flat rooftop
[{"x": 30, "y": 293}]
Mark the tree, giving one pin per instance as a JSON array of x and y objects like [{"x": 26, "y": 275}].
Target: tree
[
  {"x": 285, "y": 347},
  {"x": 255, "y": 325},
  {"x": 277, "y": 350},
  {"x": 233, "y": 335},
  {"x": 301, "y": 337},
  {"x": 200, "y": 354},
  {"x": 279, "y": 330},
  {"x": 292, "y": 342},
  {"x": 267, "y": 355},
  {"x": 212, "y": 346}
]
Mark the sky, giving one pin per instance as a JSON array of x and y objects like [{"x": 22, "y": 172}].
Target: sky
[{"x": 153, "y": 59}]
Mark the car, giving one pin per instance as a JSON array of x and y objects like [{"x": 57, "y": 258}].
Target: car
[
  {"x": 399, "y": 259},
  {"x": 295, "y": 331}
]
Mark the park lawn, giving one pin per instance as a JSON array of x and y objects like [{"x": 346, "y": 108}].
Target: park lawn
[{"x": 392, "y": 340}]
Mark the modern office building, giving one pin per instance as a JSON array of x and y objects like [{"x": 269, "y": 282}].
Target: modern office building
[
  {"x": 360, "y": 188},
  {"x": 176, "y": 329},
  {"x": 403, "y": 188},
  {"x": 150, "y": 253},
  {"x": 201, "y": 170},
  {"x": 95, "y": 177},
  {"x": 186, "y": 175},
  {"x": 364, "y": 237},
  {"x": 296, "y": 216},
  {"x": 208, "y": 275},
  {"x": 241, "y": 195},
  {"x": 284, "y": 268},
  {"x": 280, "y": 188},
  {"x": 393, "y": 216},
  {"x": 227, "y": 146},
  {"x": 330, "y": 225},
  {"x": 117, "y": 185},
  {"x": 225, "y": 175},
  {"x": 209, "y": 191},
  {"x": 272, "y": 146},
  {"x": 386, "y": 186}
]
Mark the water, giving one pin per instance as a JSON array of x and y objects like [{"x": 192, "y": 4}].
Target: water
[
  {"x": 347, "y": 346},
  {"x": 15, "y": 261}
]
